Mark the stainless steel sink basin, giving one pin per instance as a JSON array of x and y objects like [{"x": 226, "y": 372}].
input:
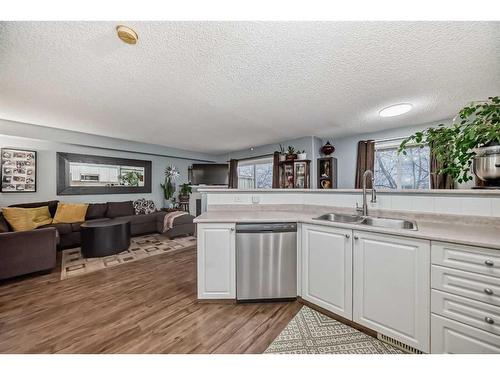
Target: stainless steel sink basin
[
  {"x": 389, "y": 223},
  {"x": 341, "y": 218},
  {"x": 384, "y": 222}
]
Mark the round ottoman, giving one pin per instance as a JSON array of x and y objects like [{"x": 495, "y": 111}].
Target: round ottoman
[{"x": 103, "y": 238}]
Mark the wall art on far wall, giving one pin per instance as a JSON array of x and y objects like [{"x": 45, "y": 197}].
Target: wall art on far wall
[{"x": 18, "y": 171}]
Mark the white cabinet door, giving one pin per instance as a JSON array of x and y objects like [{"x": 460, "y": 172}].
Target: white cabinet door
[
  {"x": 392, "y": 287},
  {"x": 327, "y": 268},
  {"x": 216, "y": 261},
  {"x": 449, "y": 336}
]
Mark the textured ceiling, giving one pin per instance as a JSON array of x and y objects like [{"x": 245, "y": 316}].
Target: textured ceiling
[{"x": 221, "y": 86}]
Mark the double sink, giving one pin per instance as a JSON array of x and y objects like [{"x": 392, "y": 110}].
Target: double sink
[{"x": 369, "y": 220}]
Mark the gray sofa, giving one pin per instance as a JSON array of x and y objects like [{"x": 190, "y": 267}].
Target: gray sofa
[
  {"x": 26, "y": 252},
  {"x": 35, "y": 250}
]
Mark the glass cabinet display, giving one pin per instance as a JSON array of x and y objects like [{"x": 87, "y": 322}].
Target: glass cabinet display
[{"x": 295, "y": 174}]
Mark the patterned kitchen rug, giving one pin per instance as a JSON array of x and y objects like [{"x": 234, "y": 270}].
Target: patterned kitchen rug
[
  {"x": 311, "y": 332},
  {"x": 74, "y": 264}
]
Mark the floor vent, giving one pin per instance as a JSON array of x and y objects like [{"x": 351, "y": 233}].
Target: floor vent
[{"x": 398, "y": 344}]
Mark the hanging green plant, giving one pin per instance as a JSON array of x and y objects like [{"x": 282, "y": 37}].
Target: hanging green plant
[{"x": 476, "y": 125}]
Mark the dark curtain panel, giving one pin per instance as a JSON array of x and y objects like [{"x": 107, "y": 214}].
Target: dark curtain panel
[
  {"x": 439, "y": 181},
  {"x": 276, "y": 170},
  {"x": 233, "y": 174},
  {"x": 365, "y": 161}
]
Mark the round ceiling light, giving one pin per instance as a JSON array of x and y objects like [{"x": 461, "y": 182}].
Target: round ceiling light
[
  {"x": 395, "y": 110},
  {"x": 126, "y": 34}
]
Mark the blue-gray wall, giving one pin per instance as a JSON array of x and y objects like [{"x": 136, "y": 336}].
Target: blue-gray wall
[
  {"x": 48, "y": 141},
  {"x": 310, "y": 144},
  {"x": 346, "y": 149}
]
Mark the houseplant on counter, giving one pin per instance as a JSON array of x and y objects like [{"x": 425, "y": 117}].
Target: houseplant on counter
[
  {"x": 168, "y": 186},
  {"x": 282, "y": 153},
  {"x": 301, "y": 155},
  {"x": 291, "y": 154},
  {"x": 184, "y": 192},
  {"x": 473, "y": 140}
]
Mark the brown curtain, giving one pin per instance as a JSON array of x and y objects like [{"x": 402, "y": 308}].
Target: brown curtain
[
  {"x": 439, "y": 181},
  {"x": 233, "y": 174},
  {"x": 276, "y": 170},
  {"x": 365, "y": 161}
]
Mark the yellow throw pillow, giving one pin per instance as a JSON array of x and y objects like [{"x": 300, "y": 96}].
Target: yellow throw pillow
[
  {"x": 70, "y": 213},
  {"x": 27, "y": 218}
]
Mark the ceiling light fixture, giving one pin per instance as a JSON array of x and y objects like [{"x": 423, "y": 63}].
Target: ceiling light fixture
[
  {"x": 395, "y": 110},
  {"x": 126, "y": 34}
]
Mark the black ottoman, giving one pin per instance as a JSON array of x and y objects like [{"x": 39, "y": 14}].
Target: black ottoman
[{"x": 103, "y": 238}]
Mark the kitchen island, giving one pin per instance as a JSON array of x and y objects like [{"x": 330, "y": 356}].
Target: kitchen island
[{"x": 399, "y": 283}]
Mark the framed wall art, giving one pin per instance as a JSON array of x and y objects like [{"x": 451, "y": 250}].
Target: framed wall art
[{"x": 18, "y": 171}]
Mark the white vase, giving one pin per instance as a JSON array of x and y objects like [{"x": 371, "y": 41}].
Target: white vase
[{"x": 302, "y": 156}]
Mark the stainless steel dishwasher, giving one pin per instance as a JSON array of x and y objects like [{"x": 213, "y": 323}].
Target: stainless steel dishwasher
[{"x": 266, "y": 261}]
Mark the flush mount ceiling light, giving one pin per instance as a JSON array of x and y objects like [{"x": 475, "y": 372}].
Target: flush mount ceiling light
[
  {"x": 126, "y": 34},
  {"x": 395, "y": 110}
]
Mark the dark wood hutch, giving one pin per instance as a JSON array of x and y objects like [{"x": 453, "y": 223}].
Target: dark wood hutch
[{"x": 295, "y": 174}]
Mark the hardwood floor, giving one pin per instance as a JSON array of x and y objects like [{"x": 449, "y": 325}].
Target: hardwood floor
[{"x": 148, "y": 306}]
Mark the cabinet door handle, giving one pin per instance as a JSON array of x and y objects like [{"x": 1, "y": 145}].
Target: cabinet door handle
[
  {"x": 489, "y": 320},
  {"x": 347, "y": 236},
  {"x": 356, "y": 237},
  {"x": 488, "y": 291},
  {"x": 489, "y": 263},
  {"x": 232, "y": 229}
]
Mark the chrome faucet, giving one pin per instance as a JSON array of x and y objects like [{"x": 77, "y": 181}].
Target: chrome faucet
[{"x": 364, "y": 210}]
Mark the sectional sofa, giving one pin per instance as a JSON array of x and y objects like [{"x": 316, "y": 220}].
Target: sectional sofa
[{"x": 35, "y": 250}]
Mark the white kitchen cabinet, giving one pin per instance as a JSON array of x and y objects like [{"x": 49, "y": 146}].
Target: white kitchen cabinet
[
  {"x": 327, "y": 268},
  {"x": 391, "y": 287},
  {"x": 216, "y": 261},
  {"x": 450, "y": 336}
]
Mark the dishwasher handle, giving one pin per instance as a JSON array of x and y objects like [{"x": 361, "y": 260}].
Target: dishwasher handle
[{"x": 266, "y": 227}]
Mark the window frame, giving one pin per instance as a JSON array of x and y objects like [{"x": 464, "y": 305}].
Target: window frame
[
  {"x": 254, "y": 162},
  {"x": 394, "y": 145}
]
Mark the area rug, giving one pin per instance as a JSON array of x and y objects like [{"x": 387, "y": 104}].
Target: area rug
[
  {"x": 73, "y": 264},
  {"x": 311, "y": 332}
]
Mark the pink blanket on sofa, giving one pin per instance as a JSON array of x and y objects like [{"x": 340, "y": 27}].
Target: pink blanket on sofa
[{"x": 168, "y": 221}]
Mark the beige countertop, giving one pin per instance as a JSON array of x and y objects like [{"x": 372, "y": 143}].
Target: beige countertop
[{"x": 462, "y": 233}]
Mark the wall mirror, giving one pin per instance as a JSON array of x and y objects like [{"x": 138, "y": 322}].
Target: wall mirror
[{"x": 79, "y": 174}]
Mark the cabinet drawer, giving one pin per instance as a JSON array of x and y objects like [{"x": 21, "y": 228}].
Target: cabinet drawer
[
  {"x": 465, "y": 310},
  {"x": 449, "y": 336},
  {"x": 466, "y": 284},
  {"x": 467, "y": 258}
]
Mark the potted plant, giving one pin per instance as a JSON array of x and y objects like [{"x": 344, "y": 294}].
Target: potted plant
[
  {"x": 282, "y": 152},
  {"x": 301, "y": 155},
  {"x": 291, "y": 154},
  {"x": 184, "y": 192},
  {"x": 473, "y": 139},
  {"x": 171, "y": 174}
]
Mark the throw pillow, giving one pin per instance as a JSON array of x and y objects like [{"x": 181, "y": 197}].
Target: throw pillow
[
  {"x": 52, "y": 206},
  {"x": 70, "y": 213},
  {"x": 144, "y": 207},
  {"x": 21, "y": 219},
  {"x": 96, "y": 211},
  {"x": 118, "y": 209}
]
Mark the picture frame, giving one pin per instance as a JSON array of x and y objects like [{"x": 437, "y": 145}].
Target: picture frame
[{"x": 18, "y": 170}]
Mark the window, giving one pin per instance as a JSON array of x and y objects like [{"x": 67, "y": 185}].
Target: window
[
  {"x": 255, "y": 173},
  {"x": 393, "y": 171}
]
